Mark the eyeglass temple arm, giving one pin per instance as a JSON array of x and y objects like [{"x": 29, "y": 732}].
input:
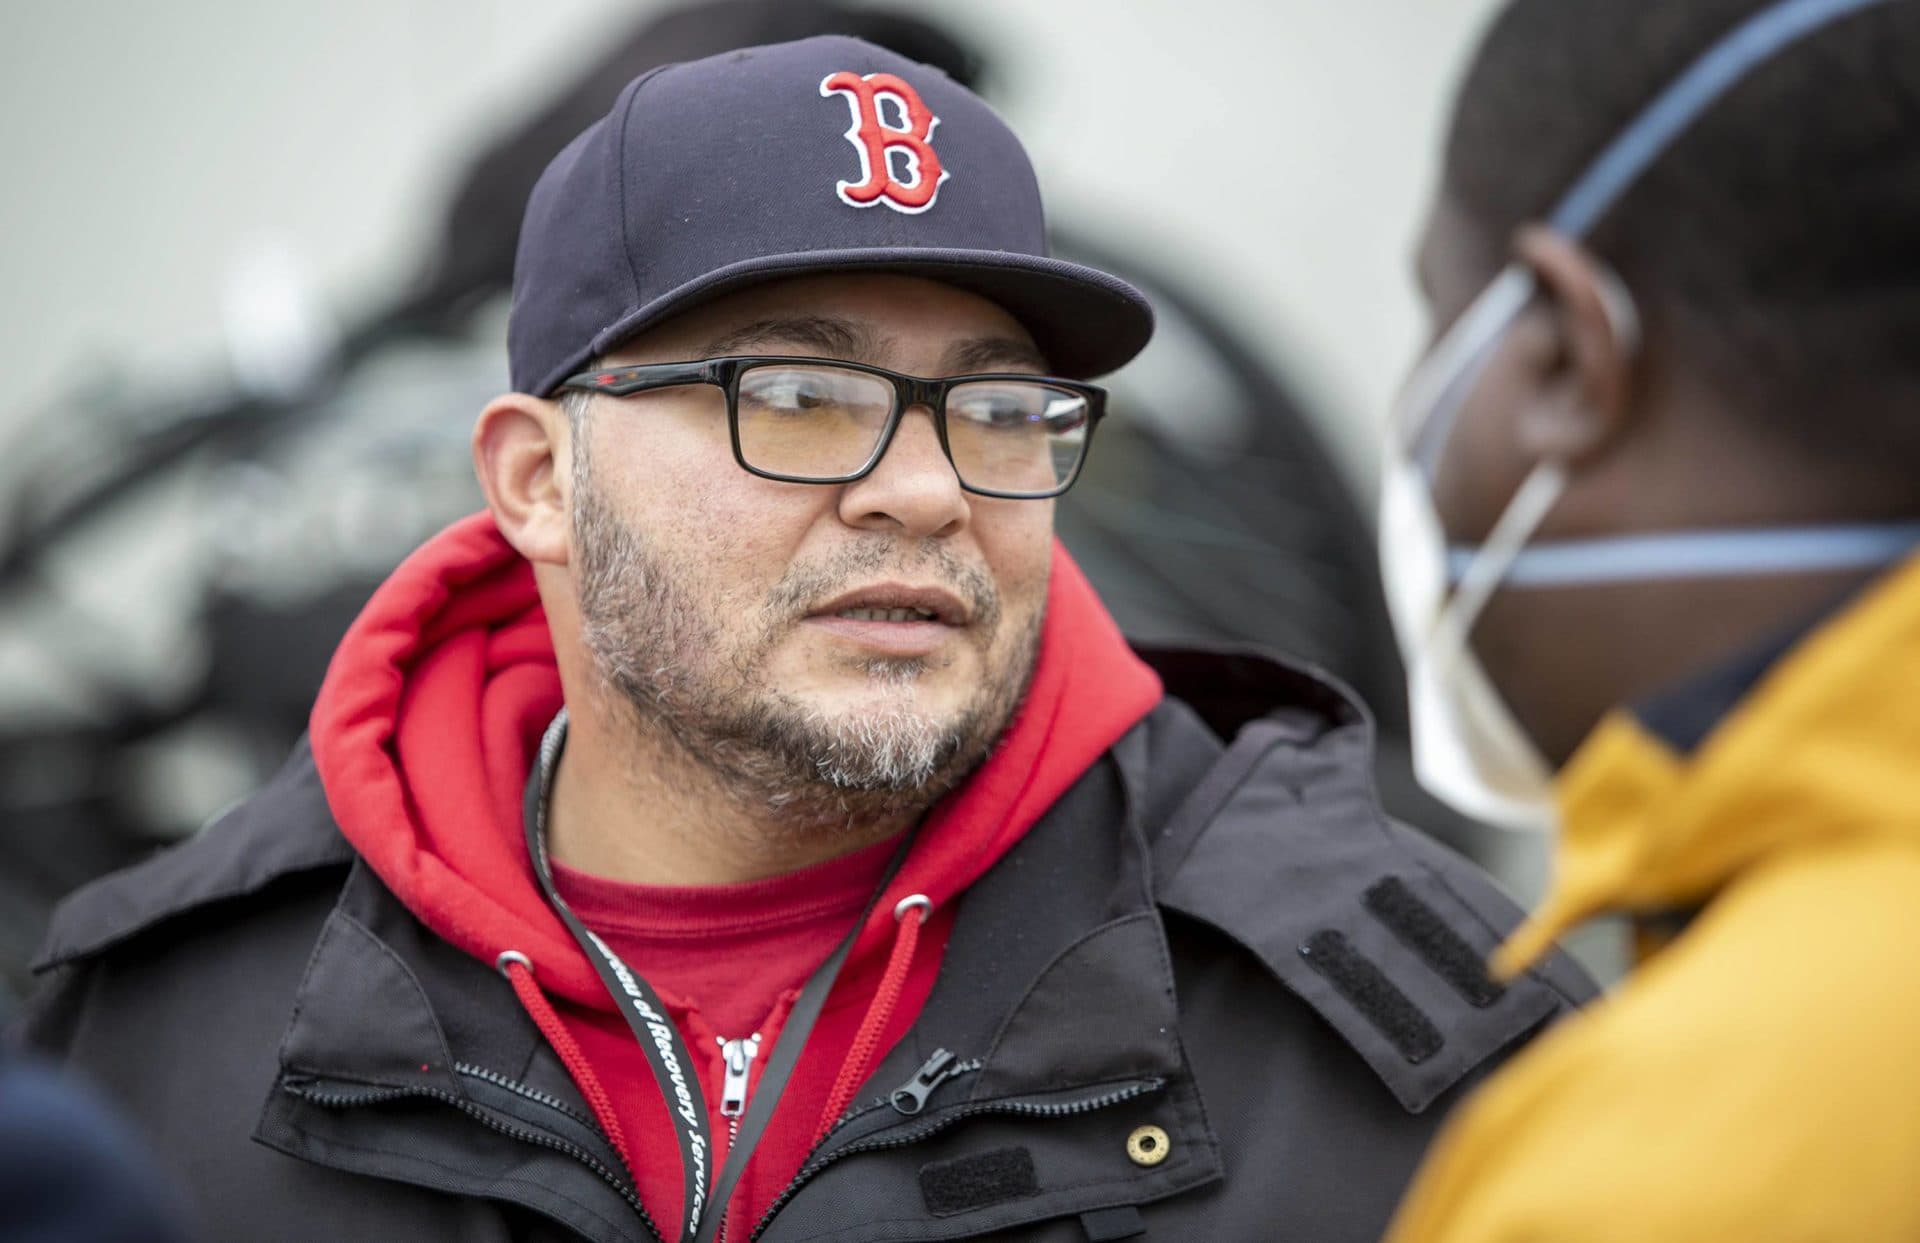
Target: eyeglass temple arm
[{"x": 620, "y": 381}]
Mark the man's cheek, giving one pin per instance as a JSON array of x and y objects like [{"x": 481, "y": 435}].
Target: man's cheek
[
  {"x": 1029, "y": 557},
  {"x": 1026, "y": 597}
]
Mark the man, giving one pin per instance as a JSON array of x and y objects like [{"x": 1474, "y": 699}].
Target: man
[
  {"x": 1672, "y": 449},
  {"x": 868, "y": 885}
]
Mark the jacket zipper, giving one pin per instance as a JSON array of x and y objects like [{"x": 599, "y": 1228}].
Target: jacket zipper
[
  {"x": 911, "y": 1097},
  {"x": 901, "y": 1139},
  {"x": 520, "y": 1089},
  {"x": 738, "y": 1056},
  {"x": 937, "y": 1070},
  {"x": 921, "y": 1085},
  {"x": 372, "y": 1096}
]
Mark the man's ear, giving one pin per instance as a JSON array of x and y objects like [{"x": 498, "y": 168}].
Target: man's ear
[
  {"x": 1587, "y": 390},
  {"x": 521, "y": 448}
]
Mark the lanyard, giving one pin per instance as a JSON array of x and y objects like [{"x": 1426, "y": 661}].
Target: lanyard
[{"x": 666, "y": 1052}]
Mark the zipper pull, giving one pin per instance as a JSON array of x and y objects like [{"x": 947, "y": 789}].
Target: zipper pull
[
  {"x": 738, "y": 1055},
  {"x": 911, "y": 1097}
]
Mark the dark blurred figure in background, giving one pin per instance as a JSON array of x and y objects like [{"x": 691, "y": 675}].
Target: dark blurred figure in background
[
  {"x": 1212, "y": 511},
  {"x": 1643, "y": 500},
  {"x": 70, "y": 1171}
]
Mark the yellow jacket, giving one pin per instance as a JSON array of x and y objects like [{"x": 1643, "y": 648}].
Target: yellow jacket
[{"x": 1758, "y": 1079}]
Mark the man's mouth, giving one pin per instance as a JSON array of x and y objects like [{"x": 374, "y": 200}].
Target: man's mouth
[
  {"x": 887, "y": 615},
  {"x": 897, "y": 603},
  {"x": 896, "y": 619}
]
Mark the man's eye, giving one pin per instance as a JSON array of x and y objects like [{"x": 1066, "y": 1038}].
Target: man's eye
[
  {"x": 1053, "y": 414},
  {"x": 793, "y": 396},
  {"x": 998, "y": 412}
]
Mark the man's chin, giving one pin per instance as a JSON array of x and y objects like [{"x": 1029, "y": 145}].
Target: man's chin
[
  {"x": 882, "y": 698},
  {"x": 839, "y": 680}
]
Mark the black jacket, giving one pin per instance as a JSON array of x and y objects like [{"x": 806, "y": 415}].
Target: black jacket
[{"x": 1228, "y": 943}]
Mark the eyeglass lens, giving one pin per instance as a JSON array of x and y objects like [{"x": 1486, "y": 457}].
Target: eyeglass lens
[{"x": 810, "y": 421}]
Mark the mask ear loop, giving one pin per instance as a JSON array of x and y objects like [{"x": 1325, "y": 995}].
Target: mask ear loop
[
  {"x": 1538, "y": 494},
  {"x": 1531, "y": 503},
  {"x": 1439, "y": 386}
]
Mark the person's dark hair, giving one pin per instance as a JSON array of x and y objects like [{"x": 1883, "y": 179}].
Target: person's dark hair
[{"x": 1776, "y": 245}]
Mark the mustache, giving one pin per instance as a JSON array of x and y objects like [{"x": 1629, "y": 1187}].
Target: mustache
[{"x": 803, "y": 587}]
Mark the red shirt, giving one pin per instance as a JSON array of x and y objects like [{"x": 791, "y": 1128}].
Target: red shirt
[
  {"x": 728, "y": 962},
  {"x": 728, "y": 954}
]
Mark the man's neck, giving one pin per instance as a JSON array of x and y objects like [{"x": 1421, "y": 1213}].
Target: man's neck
[{"x": 630, "y": 806}]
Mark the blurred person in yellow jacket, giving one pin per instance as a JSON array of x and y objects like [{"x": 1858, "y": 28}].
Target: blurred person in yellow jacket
[{"x": 1649, "y": 529}]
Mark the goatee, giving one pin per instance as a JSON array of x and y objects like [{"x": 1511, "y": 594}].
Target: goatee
[{"x": 700, "y": 688}]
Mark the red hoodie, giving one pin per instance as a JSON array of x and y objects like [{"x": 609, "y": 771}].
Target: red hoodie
[{"x": 424, "y": 734}]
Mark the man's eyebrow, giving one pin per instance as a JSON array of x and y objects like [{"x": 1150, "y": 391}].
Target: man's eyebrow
[
  {"x": 994, "y": 354},
  {"x": 823, "y": 335}
]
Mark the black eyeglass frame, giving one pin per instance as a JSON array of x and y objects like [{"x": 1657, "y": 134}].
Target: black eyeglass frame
[{"x": 908, "y": 391}]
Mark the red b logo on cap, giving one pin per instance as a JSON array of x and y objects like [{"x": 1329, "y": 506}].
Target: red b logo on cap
[{"x": 911, "y": 186}]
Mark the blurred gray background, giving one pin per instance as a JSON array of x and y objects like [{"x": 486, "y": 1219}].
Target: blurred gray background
[
  {"x": 225, "y": 412},
  {"x": 1275, "y": 151}
]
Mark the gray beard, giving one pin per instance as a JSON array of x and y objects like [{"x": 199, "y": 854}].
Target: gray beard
[{"x": 691, "y": 688}]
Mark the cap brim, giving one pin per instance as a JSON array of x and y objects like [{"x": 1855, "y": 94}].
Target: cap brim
[{"x": 1087, "y": 322}]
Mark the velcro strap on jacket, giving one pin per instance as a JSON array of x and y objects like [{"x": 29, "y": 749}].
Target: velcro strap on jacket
[{"x": 1283, "y": 847}]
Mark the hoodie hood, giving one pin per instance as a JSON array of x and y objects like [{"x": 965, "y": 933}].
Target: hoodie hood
[{"x": 431, "y": 714}]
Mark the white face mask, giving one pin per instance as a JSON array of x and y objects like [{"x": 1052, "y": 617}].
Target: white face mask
[{"x": 1468, "y": 749}]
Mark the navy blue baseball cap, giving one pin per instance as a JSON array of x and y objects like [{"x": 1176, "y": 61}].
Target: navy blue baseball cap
[{"x": 824, "y": 155}]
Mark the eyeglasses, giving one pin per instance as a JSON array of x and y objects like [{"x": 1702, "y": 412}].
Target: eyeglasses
[{"x": 806, "y": 420}]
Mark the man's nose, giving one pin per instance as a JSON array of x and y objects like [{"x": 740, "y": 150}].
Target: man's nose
[{"x": 913, "y": 489}]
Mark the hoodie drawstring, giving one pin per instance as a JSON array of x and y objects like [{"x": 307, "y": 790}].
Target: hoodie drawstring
[
  {"x": 519, "y": 972},
  {"x": 886, "y": 997}
]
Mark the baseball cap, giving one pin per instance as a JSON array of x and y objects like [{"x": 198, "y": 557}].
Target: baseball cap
[{"x": 823, "y": 155}]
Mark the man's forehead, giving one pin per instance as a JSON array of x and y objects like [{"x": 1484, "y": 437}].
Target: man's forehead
[
  {"x": 832, "y": 336},
  {"x": 956, "y": 331}
]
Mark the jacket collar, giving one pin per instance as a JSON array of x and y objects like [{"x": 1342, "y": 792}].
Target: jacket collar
[
  {"x": 279, "y": 833},
  {"x": 1820, "y": 750},
  {"x": 1282, "y": 845}
]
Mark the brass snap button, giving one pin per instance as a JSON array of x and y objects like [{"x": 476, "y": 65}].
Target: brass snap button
[{"x": 1148, "y": 1145}]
